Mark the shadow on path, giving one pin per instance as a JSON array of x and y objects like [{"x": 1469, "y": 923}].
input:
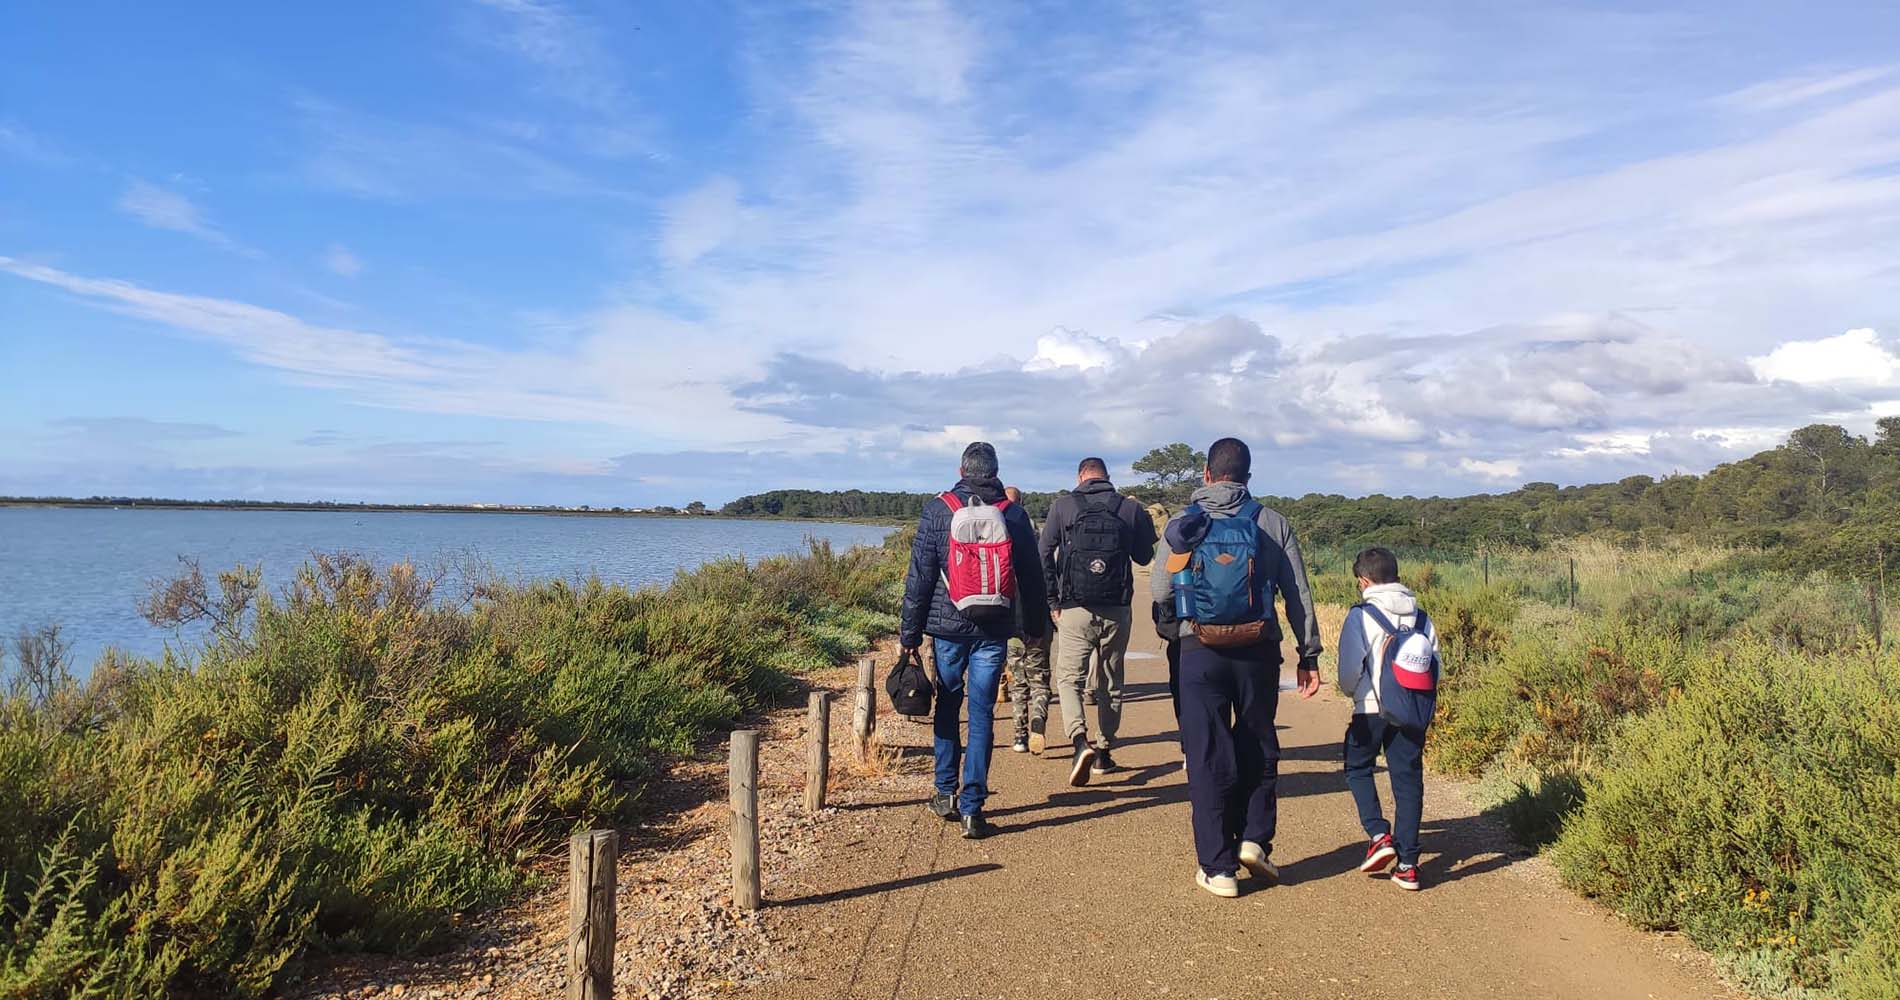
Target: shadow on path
[{"x": 891, "y": 886}]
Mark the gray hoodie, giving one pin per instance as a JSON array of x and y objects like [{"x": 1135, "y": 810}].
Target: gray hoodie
[
  {"x": 1280, "y": 557},
  {"x": 1360, "y": 636}
]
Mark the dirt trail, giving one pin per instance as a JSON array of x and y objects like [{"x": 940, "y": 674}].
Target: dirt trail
[{"x": 1089, "y": 892}]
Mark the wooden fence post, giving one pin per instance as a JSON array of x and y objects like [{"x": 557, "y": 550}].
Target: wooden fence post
[
  {"x": 1487, "y": 569},
  {"x": 744, "y": 794},
  {"x": 1573, "y": 584},
  {"x": 592, "y": 859},
  {"x": 818, "y": 751},
  {"x": 864, "y": 713}
]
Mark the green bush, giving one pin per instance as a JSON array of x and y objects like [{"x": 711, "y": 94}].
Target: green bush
[
  {"x": 354, "y": 764},
  {"x": 1759, "y": 812}
]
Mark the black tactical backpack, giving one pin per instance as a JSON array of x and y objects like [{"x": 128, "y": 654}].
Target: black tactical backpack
[{"x": 1095, "y": 554}]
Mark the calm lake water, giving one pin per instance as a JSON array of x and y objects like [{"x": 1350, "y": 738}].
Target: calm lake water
[{"x": 86, "y": 569}]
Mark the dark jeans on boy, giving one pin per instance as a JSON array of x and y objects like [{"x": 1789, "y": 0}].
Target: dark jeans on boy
[
  {"x": 1366, "y": 737},
  {"x": 1228, "y": 701},
  {"x": 975, "y": 666}
]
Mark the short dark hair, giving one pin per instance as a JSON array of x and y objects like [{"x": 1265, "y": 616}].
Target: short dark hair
[
  {"x": 1092, "y": 466},
  {"x": 1377, "y": 564},
  {"x": 979, "y": 461},
  {"x": 1229, "y": 461}
]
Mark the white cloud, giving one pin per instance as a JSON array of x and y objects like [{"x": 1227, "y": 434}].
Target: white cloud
[
  {"x": 1857, "y": 356},
  {"x": 341, "y": 261},
  {"x": 165, "y": 209},
  {"x": 1065, "y": 348},
  {"x": 1618, "y": 443},
  {"x": 700, "y": 220},
  {"x": 1500, "y": 469},
  {"x": 1773, "y": 95}
]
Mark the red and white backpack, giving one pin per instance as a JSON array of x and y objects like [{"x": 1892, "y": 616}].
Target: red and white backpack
[{"x": 979, "y": 574}]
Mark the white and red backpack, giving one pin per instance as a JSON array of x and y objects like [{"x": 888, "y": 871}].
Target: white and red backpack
[{"x": 979, "y": 573}]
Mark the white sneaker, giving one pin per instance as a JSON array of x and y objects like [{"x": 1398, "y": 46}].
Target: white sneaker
[
  {"x": 1223, "y": 886},
  {"x": 1254, "y": 857}
]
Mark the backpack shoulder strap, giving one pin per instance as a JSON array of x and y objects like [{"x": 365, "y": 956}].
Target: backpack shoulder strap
[
  {"x": 1378, "y": 617},
  {"x": 950, "y": 500}
]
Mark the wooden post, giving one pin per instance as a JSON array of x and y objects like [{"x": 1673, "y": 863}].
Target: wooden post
[
  {"x": 744, "y": 794},
  {"x": 864, "y": 713},
  {"x": 592, "y": 858},
  {"x": 818, "y": 751},
  {"x": 1573, "y": 584},
  {"x": 1487, "y": 569}
]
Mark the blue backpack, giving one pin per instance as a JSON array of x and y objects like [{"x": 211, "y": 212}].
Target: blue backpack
[
  {"x": 1221, "y": 592},
  {"x": 1406, "y": 686}
]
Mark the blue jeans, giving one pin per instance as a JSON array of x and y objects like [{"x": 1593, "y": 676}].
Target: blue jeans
[
  {"x": 975, "y": 665},
  {"x": 1366, "y": 737}
]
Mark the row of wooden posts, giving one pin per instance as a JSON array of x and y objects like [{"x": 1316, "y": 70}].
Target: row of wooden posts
[{"x": 593, "y": 856}]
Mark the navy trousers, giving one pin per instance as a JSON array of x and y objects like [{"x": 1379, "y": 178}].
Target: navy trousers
[
  {"x": 1228, "y": 701},
  {"x": 1366, "y": 737}
]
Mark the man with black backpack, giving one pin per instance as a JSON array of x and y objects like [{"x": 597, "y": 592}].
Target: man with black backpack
[
  {"x": 1228, "y": 557},
  {"x": 973, "y": 572},
  {"x": 1092, "y": 536}
]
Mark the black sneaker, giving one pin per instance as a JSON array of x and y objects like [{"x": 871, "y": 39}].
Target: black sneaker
[
  {"x": 1084, "y": 756},
  {"x": 975, "y": 827},
  {"x": 1103, "y": 763},
  {"x": 1021, "y": 745},
  {"x": 945, "y": 806}
]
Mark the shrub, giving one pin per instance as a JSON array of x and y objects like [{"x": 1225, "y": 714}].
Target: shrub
[{"x": 1759, "y": 812}]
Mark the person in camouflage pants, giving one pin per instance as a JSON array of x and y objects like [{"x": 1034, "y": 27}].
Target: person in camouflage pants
[
  {"x": 1029, "y": 691},
  {"x": 1028, "y": 679}
]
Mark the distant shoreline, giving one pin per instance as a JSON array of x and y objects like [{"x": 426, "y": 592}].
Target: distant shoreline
[{"x": 146, "y": 503}]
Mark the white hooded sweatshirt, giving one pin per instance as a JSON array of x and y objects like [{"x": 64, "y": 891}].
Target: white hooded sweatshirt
[{"x": 1358, "y": 674}]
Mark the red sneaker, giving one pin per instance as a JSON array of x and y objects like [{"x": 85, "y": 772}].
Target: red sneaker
[
  {"x": 1379, "y": 854},
  {"x": 1406, "y": 877}
]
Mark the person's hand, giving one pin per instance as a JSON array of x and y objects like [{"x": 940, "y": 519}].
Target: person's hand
[
  {"x": 1055, "y": 615},
  {"x": 1308, "y": 681}
]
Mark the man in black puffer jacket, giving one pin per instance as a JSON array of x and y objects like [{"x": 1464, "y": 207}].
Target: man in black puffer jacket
[{"x": 968, "y": 655}]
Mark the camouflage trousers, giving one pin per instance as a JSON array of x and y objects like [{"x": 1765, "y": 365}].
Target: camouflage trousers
[{"x": 1029, "y": 683}]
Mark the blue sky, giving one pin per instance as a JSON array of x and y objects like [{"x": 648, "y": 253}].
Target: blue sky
[{"x": 532, "y": 251}]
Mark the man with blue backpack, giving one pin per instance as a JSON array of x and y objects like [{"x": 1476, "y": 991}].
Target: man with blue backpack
[
  {"x": 974, "y": 582},
  {"x": 1388, "y": 666},
  {"x": 1229, "y": 557}
]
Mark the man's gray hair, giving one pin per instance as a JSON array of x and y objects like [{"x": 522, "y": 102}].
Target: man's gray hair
[{"x": 979, "y": 461}]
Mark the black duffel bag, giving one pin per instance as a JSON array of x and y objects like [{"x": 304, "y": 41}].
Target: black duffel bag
[{"x": 909, "y": 686}]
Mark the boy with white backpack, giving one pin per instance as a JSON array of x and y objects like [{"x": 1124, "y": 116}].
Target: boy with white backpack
[{"x": 1388, "y": 666}]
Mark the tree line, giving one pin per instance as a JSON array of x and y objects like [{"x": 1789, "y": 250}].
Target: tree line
[{"x": 1824, "y": 498}]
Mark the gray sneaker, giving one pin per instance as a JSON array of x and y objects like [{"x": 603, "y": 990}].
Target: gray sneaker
[{"x": 945, "y": 806}]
